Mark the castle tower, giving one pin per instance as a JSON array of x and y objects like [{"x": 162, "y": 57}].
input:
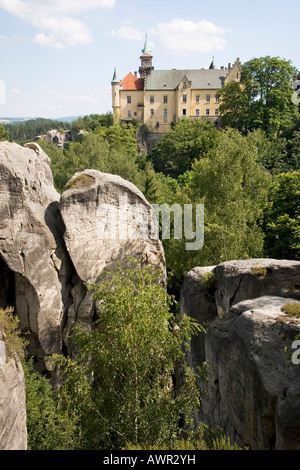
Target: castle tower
[
  {"x": 115, "y": 85},
  {"x": 146, "y": 60}
]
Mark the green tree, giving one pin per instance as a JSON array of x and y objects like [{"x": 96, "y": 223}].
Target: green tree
[
  {"x": 263, "y": 99},
  {"x": 121, "y": 383},
  {"x": 92, "y": 152},
  {"x": 28, "y": 130},
  {"x": 3, "y": 133},
  {"x": 282, "y": 218},
  {"x": 50, "y": 426},
  {"x": 174, "y": 154},
  {"x": 120, "y": 137},
  {"x": 91, "y": 122},
  {"x": 234, "y": 190}
]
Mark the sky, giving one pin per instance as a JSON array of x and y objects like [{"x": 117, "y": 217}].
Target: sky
[{"x": 58, "y": 56}]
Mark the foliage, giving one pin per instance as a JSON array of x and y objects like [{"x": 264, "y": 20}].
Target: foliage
[
  {"x": 93, "y": 152},
  {"x": 202, "y": 439},
  {"x": 282, "y": 218},
  {"x": 49, "y": 425},
  {"x": 121, "y": 386},
  {"x": 259, "y": 272},
  {"x": 91, "y": 122},
  {"x": 263, "y": 99},
  {"x": 234, "y": 190},
  {"x": 174, "y": 154},
  {"x": 30, "y": 129},
  {"x": 14, "y": 343},
  {"x": 3, "y": 133},
  {"x": 120, "y": 138},
  {"x": 292, "y": 309}
]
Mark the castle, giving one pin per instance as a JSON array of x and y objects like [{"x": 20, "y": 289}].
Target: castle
[{"x": 158, "y": 98}]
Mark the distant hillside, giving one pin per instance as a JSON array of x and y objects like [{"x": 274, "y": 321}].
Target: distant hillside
[
  {"x": 24, "y": 130},
  {"x": 14, "y": 120}
]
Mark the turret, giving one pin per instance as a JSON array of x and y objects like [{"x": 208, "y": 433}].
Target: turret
[
  {"x": 115, "y": 86},
  {"x": 146, "y": 60}
]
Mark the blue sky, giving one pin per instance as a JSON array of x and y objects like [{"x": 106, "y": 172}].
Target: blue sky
[{"x": 58, "y": 56}]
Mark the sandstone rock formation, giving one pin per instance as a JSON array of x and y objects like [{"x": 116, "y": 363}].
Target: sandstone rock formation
[
  {"x": 107, "y": 221},
  {"x": 13, "y": 432},
  {"x": 33, "y": 260},
  {"x": 50, "y": 246},
  {"x": 248, "y": 279},
  {"x": 253, "y": 385},
  {"x": 252, "y": 393},
  {"x": 197, "y": 300},
  {"x": 60, "y": 139}
]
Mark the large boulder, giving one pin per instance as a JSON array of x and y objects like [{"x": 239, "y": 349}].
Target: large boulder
[
  {"x": 107, "y": 220},
  {"x": 13, "y": 432},
  {"x": 197, "y": 300},
  {"x": 60, "y": 139},
  {"x": 247, "y": 279},
  {"x": 253, "y": 387},
  {"x": 34, "y": 263}
]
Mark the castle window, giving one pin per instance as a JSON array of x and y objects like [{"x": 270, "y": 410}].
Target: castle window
[
  {"x": 184, "y": 98},
  {"x": 217, "y": 99},
  {"x": 216, "y": 112},
  {"x": 151, "y": 113},
  {"x": 207, "y": 98},
  {"x": 165, "y": 112},
  {"x": 165, "y": 99},
  {"x": 197, "y": 112},
  {"x": 129, "y": 114},
  {"x": 129, "y": 99},
  {"x": 184, "y": 112},
  {"x": 197, "y": 98},
  {"x": 151, "y": 99},
  {"x": 207, "y": 112}
]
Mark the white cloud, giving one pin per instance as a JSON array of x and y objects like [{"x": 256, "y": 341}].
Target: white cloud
[
  {"x": 184, "y": 37},
  {"x": 55, "y": 19},
  {"x": 128, "y": 33},
  {"x": 16, "y": 91},
  {"x": 5, "y": 40}
]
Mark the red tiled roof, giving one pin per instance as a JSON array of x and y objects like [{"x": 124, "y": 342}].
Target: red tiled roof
[{"x": 130, "y": 82}]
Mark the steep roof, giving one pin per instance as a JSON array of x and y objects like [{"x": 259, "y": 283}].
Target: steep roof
[
  {"x": 132, "y": 83},
  {"x": 205, "y": 79}
]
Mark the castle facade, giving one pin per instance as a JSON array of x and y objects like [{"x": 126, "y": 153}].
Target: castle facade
[{"x": 158, "y": 98}]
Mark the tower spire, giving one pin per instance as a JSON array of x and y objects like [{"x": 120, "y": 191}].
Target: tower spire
[
  {"x": 115, "y": 78},
  {"x": 212, "y": 65},
  {"x": 146, "y": 49}
]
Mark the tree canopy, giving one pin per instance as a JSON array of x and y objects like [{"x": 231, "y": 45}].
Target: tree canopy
[
  {"x": 263, "y": 98},
  {"x": 174, "y": 154}
]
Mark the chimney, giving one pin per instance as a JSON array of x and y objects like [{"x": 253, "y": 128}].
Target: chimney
[
  {"x": 229, "y": 66},
  {"x": 222, "y": 67},
  {"x": 135, "y": 74}
]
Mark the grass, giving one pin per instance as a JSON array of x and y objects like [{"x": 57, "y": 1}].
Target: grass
[
  {"x": 81, "y": 182},
  {"x": 259, "y": 272},
  {"x": 14, "y": 343},
  {"x": 291, "y": 309}
]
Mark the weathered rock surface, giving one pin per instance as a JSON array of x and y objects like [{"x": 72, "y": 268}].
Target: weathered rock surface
[
  {"x": 198, "y": 301},
  {"x": 33, "y": 260},
  {"x": 60, "y": 139},
  {"x": 107, "y": 221},
  {"x": 248, "y": 279},
  {"x": 253, "y": 386},
  {"x": 45, "y": 259},
  {"x": 253, "y": 389},
  {"x": 13, "y": 432}
]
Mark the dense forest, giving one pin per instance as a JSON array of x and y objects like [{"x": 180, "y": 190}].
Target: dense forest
[{"x": 246, "y": 172}]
